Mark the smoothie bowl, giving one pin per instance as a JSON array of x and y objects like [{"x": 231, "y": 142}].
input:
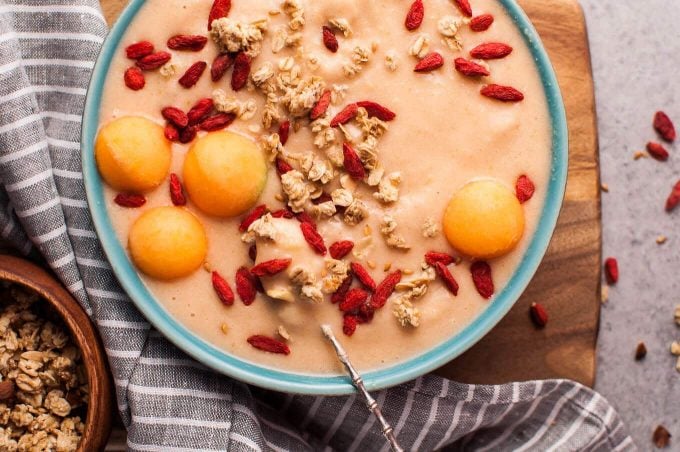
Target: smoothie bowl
[{"x": 257, "y": 169}]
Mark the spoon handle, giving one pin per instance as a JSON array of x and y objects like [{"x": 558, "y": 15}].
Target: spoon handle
[{"x": 358, "y": 383}]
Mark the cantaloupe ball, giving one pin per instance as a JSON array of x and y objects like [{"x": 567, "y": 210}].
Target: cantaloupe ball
[
  {"x": 484, "y": 220},
  {"x": 133, "y": 154},
  {"x": 168, "y": 243},
  {"x": 224, "y": 174}
]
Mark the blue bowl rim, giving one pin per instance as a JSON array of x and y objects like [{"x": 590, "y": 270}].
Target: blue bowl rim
[{"x": 292, "y": 382}]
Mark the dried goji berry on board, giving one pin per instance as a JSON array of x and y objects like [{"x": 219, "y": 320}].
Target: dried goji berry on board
[
  {"x": 222, "y": 289},
  {"x": 611, "y": 270},
  {"x": 481, "y": 277},
  {"x": 134, "y": 78},
  {"x": 415, "y": 15},
  {"x": 661, "y": 437},
  {"x": 657, "y": 151},
  {"x": 538, "y": 315},
  {"x": 524, "y": 189},
  {"x": 664, "y": 126},
  {"x": 674, "y": 198},
  {"x": 269, "y": 344}
]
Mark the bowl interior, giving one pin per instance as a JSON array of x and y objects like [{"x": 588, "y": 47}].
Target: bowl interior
[
  {"x": 311, "y": 384},
  {"x": 100, "y": 408}
]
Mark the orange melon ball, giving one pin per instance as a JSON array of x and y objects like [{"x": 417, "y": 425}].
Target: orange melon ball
[
  {"x": 132, "y": 154},
  {"x": 168, "y": 243},
  {"x": 484, "y": 220},
  {"x": 224, "y": 174}
]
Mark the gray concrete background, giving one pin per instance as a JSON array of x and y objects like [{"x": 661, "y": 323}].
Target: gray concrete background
[{"x": 635, "y": 49}]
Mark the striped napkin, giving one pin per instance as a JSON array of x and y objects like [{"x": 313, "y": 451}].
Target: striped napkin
[{"x": 169, "y": 402}]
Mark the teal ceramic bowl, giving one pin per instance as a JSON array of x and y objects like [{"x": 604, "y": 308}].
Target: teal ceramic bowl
[{"x": 278, "y": 380}]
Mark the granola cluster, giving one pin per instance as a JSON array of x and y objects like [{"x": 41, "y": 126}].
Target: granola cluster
[
  {"x": 319, "y": 182},
  {"x": 43, "y": 387},
  {"x": 233, "y": 36}
]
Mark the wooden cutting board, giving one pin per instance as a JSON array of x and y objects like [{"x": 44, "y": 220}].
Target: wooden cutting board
[{"x": 568, "y": 281}]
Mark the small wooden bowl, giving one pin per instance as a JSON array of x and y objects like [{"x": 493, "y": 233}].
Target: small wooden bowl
[{"x": 100, "y": 408}]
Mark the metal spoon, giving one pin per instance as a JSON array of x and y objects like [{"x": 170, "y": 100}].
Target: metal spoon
[{"x": 358, "y": 383}]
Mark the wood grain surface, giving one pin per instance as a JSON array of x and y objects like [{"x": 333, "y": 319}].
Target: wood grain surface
[{"x": 568, "y": 281}]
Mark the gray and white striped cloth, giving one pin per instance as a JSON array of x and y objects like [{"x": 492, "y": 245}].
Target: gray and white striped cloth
[{"x": 168, "y": 401}]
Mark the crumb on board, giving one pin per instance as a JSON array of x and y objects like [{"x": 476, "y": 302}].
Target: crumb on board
[{"x": 604, "y": 294}]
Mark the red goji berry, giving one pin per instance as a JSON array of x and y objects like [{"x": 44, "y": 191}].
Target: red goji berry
[
  {"x": 611, "y": 270},
  {"x": 363, "y": 276},
  {"x": 222, "y": 289},
  {"x": 385, "y": 289},
  {"x": 257, "y": 213},
  {"x": 313, "y": 238},
  {"x": 246, "y": 286},
  {"x": 176, "y": 192},
  {"x": 268, "y": 344},
  {"x": 270, "y": 268},
  {"x": 481, "y": 277},
  {"x": 341, "y": 249}
]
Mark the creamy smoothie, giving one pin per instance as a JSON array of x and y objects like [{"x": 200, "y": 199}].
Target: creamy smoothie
[{"x": 445, "y": 135}]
